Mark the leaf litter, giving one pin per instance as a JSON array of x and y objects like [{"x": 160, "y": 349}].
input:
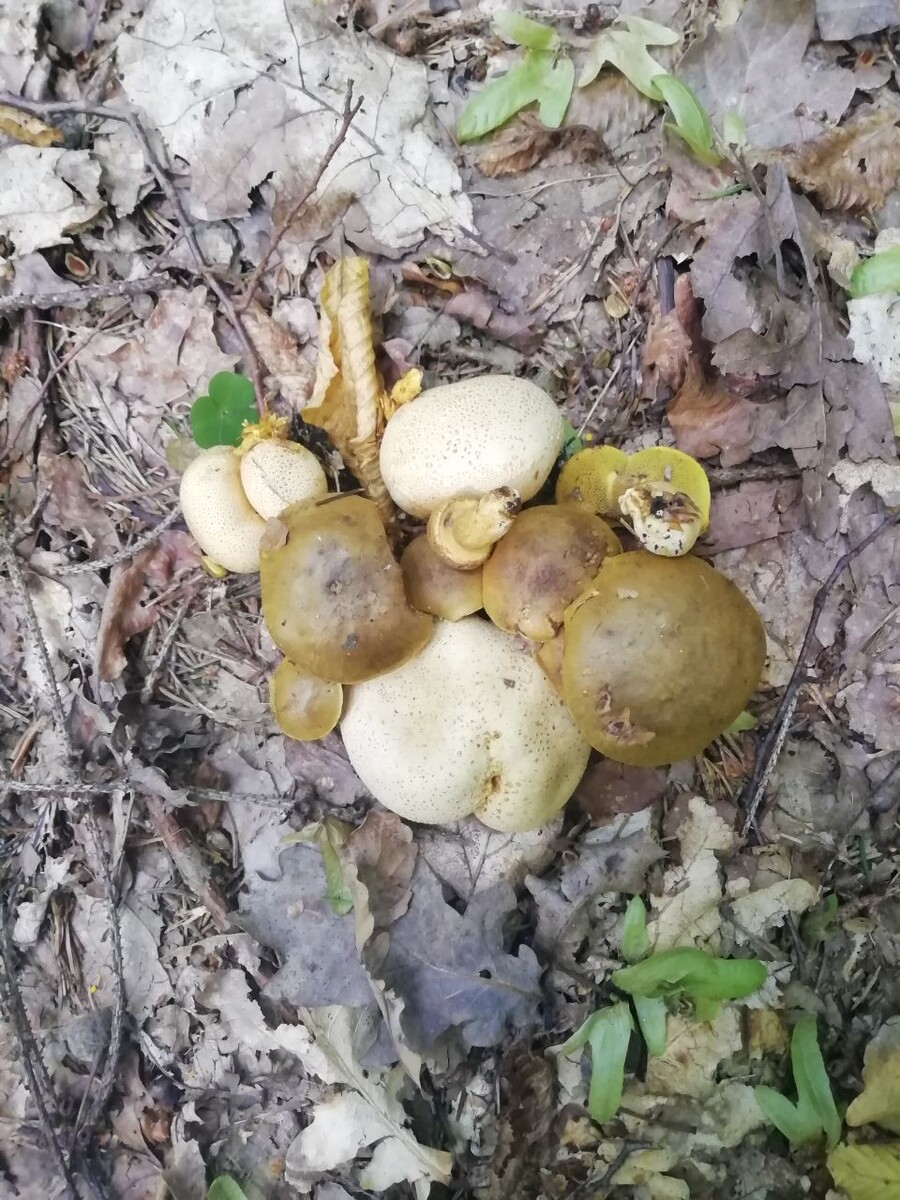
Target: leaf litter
[{"x": 402, "y": 1041}]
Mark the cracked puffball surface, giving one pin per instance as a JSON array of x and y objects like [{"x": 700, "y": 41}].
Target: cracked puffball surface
[
  {"x": 469, "y": 726},
  {"x": 469, "y": 438},
  {"x": 332, "y": 592},
  {"x": 660, "y": 656}
]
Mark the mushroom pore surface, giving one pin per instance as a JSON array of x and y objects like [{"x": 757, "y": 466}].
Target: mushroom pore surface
[
  {"x": 550, "y": 555},
  {"x": 332, "y": 593},
  {"x": 468, "y": 438},
  {"x": 660, "y": 656},
  {"x": 471, "y": 725}
]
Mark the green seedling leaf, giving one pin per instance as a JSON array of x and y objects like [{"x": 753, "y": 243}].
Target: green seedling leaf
[
  {"x": 627, "y": 52},
  {"x": 742, "y": 723},
  {"x": 572, "y": 443},
  {"x": 556, "y": 91},
  {"x": 734, "y": 131},
  {"x": 225, "y": 1187},
  {"x": 651, "y": 33},
  {"x": 815, "y": 1112},
  {"x": 634, "y": 931},
  {"x": 651, "y": 1015},
  {"x": 693, "y": 973},
  {"x": 811, "y": 1078},
  {"x": 817, "y": 924},
  {"x": 503, "y": 97},
  {"x": 608, "y": 1032},
  {"x": 880, "y": 273},
  {"x": 328, "y": 836},
  {"x": 217, "y": 419},
  {"x": 690, "y": 120},
  {"x": 513, "y": 27}
]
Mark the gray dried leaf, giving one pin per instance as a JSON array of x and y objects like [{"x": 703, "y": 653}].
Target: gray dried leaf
[
  {"x": 288, "y": 912},
  {"x": 840, "y": 20},
  {"x": 731, "y": 70}
]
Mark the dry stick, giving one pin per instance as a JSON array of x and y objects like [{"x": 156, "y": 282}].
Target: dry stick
[
  {"x": 768, "y": 753},
  {"x": 54, "y": 699},
  {"x": 73, "y": 296},
  {"x": 44, "y": 108},
  {"x": 141, "y": 543},
  {"x": 77, "y": 790},
  {"x": 188, "y": 862},
  {"x": 349, "y": 112},
  {"x": 30, "y": 1055}
]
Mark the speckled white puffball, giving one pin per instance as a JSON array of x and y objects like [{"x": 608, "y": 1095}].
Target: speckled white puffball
[
  {"x": 218, "y": 513},
  {"x": 471, "y": 725},
  {"x": 467, "y": 438},
  {"x": 275, "y": 474}
]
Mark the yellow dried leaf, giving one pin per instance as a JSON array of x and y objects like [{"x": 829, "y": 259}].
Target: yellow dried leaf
[
  {"x": 867, "y": 1172},
  {"x": 26, "y": 128},
  {"x": 349, "y": 400},
  {"x": 879, "y": 1101},
  {"x": 406, "y": 388},
  {"x": 853, "y": 167}
]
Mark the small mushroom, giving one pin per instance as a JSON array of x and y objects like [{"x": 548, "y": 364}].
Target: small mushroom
[
  {"x": 468, "y": 438},
  {"x": 276, "y": 474},
  {"x": 548, "y": 558},
  {"x": 463, "y": 532},
  {"x": 306, "y": 708},
  {"x": 471, "y": 725},
  {"x": 433, "y": 586},
  {"x": 217, "y": 512},
  {"x": 660, "y": 656},
  {"x": 332, "y": 593},
  {"x": 660, "y": 494}
]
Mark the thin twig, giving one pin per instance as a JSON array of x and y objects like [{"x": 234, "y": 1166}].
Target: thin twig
[
  {"x": 30, "y": 1057},
  {"x": 77, "y": 790},
  {"x": 141, "y": 543},
  {"x": 767, "y": 755},
  {"x": 347, "y": 116},
  {"x": 73, "y": 296}
]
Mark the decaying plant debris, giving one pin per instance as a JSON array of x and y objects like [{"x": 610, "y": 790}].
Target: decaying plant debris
[{"x": 218, "y": 956}]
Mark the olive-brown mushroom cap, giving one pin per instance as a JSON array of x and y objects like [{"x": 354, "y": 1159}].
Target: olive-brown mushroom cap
[
  {"x": 549, "y": 556},
  {"x": 660, "y": 656},
  {"x": 332, "y": 593},
  {"x": 468, "y": 438},
  {"x": 471, "y": 725},
  {"x": 433, "y": 586},
  {"x": 306, "y": 708}
]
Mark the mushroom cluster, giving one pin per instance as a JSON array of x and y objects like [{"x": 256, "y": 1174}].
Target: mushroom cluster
[{"x": 473, "y": 674}]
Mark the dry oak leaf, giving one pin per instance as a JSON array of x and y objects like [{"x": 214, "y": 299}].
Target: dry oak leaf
[
  {"x": 667, "y": 351},
  {"x": 707, "y": 419},
  {"x": 841, "y": 20},
  {"x": 523, "y": 143},
  {"x": 852, "y": 168}
]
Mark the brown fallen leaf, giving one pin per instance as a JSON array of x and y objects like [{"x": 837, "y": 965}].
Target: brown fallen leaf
[
  {"x": 854, "y": 167},
  {"x": 26, "y": 128},
  {"x": 281, "y": 355},
  {"x": 349, "y": 401},
  {"x": 525, "y": 142},
  {"x": 753, "y": 512},
  {"x": 707, "y": 419},
  {"x": 666, "y": 354}
]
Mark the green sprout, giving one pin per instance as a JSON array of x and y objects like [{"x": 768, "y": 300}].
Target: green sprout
[
  {"x": 880, "y": 273},
  {"x": 608, "y": 1033},
  {"x": 815, "y": 1112},
  {"x": 217, "y": 419}
]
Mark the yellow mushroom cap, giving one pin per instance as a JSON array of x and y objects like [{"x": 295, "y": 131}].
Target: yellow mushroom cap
[
  {"x": 471, "y": 725},
  {"x": 218, "y": 513},
  {"x": 588, "y": 479},
  {"x": 276, "y": 474},
  {"x": 468, "y": 438},
  {"x": 306, "y": 708}
]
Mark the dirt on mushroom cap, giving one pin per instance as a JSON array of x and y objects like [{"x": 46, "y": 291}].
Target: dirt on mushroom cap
[
  {"x": 470, "y": 725},
  {"x": 468, "y": 438}
]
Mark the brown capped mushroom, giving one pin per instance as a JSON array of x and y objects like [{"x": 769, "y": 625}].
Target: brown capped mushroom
[
  {"x": 433, "y": 586},
  {"x": 332, "y": 593},
  {"x": 306, "y": 708}
]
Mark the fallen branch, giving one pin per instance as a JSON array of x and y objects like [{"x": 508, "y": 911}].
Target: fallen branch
[
  {"x": 771, "y": 747},
  {"x": 74, "y": 296},
  {"x": 77, "y": 790},
  {"x": 141, "y": 543}
]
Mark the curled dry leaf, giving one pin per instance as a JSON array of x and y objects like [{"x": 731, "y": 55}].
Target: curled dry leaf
[
  {"x": 707, "y": 419},
  {"x": 523, "y": 143},
  {"x": 852, "y": 168},
  {"x": 281, "y": 356},
  {"x": 666, "y": 354},
  {"x": 349, "y": 401}
]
